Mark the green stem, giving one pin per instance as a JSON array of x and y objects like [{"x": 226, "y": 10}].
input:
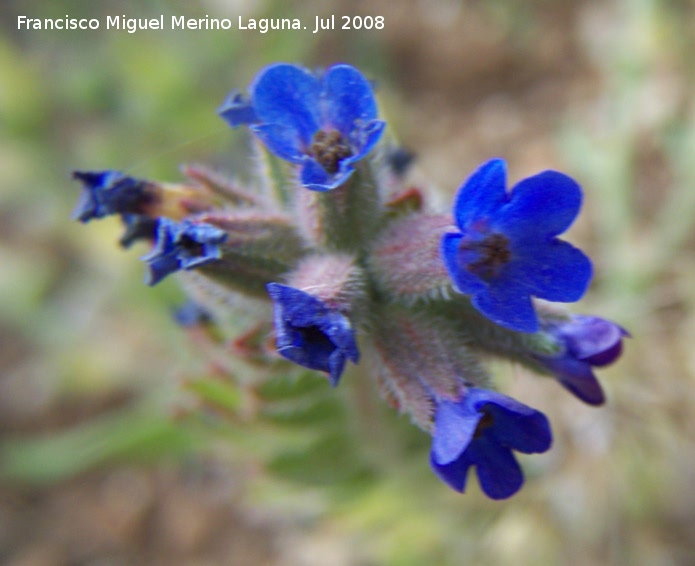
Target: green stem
[{"x": 348, "y": 215}]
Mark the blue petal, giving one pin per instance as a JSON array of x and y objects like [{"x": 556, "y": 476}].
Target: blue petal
[
  {"x": 108, "y": 192},
  {"x": 337, "y": 326},
  {"x": 540, "y": 207},
  {"x": 525, "y": 430},
  {"x": 515, "y": 425},
  {"x": 554, "y": 271},
  {"x": 163, "y": 259},
  {"x": 454, "y": 427},
  {"x": 299, "y": 307},
  {"x": 499, "y": 473},
  {"x": 464, "y": 281},
  {"x": 607, "y": 356},
  {"x": 483, "y": 399},
  {"x": 576, "y": 376},
  {"x": 347, "y": 98},
  {"x": 208, "y": 254},
  {"x": 314, "y": 177},
  {"x": 453, "y": 474},
  {"x": 283, "y": 141},
  {"x": 172, "y": 252},
  {"x": 309, "y": 333},
  {"x": 364, "y": 137},
  {"x": 289, "y": 96},
  {"x": 508, "y": 305},
  {"x": 161, "y": 266},
  {"x": 313, "y": 351},
  {"x": 482, "y": 195},
  {"x": 336, "y": 365},
  {"x": 237, "y": 110},
  {"x": 593, "y": 339}
]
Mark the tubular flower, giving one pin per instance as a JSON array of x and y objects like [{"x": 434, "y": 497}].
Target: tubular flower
[
  {"x": 109, "y": 192},
  {"x": 481, "y": 430},
  {"x": 587, "y": 342},
  {"x": 323, "y": 124},
  {"x": 182, "y": 245},
  {"x": 506, "y": 251},
  {"x": 310, "y": 333}
]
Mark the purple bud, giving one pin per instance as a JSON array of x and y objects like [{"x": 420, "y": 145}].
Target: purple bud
[{"x": 587, "y": 341}]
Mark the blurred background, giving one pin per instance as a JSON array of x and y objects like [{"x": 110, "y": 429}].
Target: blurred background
[{"x": 113, "y": 450}]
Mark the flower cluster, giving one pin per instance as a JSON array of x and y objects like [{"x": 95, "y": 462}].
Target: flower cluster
[{"x": 339, "y": 243}]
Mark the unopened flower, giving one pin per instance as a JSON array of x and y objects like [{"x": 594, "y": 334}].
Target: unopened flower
[
  {"x": 112, "y": 192},
  {"x": 586, "y": 342},
  {"x": 323, "y": 124},
  {"x": 109, "y": 192},
  {"x": 183, "y": 245},
  {"x": 506, "y": 250},
  {"x": 482, "y": 430},
  {"x": 310, "y": 333}
]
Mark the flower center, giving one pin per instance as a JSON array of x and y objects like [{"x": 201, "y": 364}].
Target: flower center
[
  {"x": 329, "y": 148},
  {"x": 494, "y": 254},
  {"x": 191, "y": 246},
  {"x": 485, "y": 422}
]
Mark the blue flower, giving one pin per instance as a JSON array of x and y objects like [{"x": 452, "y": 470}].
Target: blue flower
[
  {"x": 481, "y": 430},
  {"x": 506, "y": 250},
  {"x": 323, "y": 124},
  {"x": 310, "y": 333},
  {"x": 109, "y": 192},
  {"x": 183, "y": 245},
  {"x": 586, "y": 342}
]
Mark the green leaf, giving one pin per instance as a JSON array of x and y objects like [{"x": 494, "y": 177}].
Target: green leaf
[
  {"x": 133, "y": 434},
  {"x": 223, "y": 394},
  {"x": 324, "y": 411},
  {"x": 330, "y": 460},
  {"x": 287, "y": 387}
]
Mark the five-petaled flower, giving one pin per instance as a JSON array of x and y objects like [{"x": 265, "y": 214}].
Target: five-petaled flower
[
  {"x": 586, "y": 342},
  {"x": 109, "y": 192},
  {"x": 324, "y": 124},
  {"x": 182, "y": 245},
  {"x": 506, "y": 248},
  {"x": 481, "y": 430},
  {"x": 310, "y": 333}
]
